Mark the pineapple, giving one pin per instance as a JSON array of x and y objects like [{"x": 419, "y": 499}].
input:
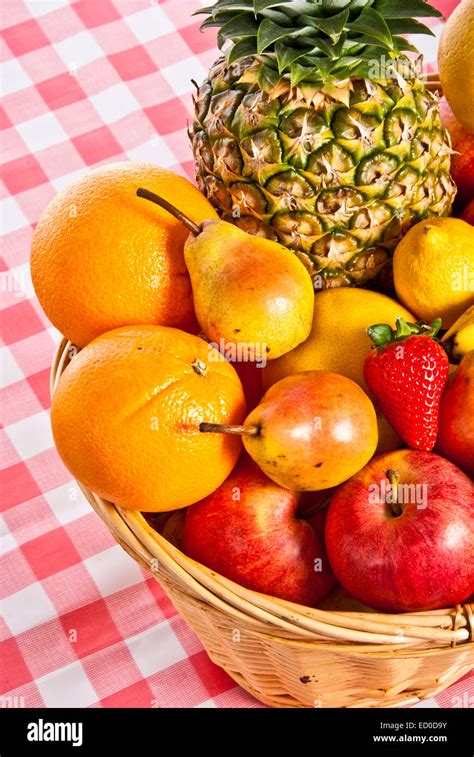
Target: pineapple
[{"x": 316, "y": 129}]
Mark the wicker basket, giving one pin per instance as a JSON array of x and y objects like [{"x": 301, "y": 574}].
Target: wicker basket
[{"x": 286, "y": 655}]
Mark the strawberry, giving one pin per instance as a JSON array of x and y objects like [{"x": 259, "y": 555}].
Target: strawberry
[{"x": 407, "y": 370}]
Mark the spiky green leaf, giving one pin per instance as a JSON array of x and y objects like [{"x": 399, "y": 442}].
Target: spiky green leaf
[
  {"x": 210, "y": 22},
  {"x": 277, "y": 17},
  {"x": 322, "y": 37},
  {"x": 286, "y": 56},
  {"x": 374, "y": 52},
  {"x": 261, "y": 5},
  {"x": 300, "y": 73},
  {"x": 332, "y": 26},
  {"x": 363, "y": 69},
  {"x": 406, "y": 9},
  {"x": 268, "y": 78},
  {"x": 373, "y": 25},
  {"x": 347, "y": 62},
  {"x": 269, "y": 33},
  {"x": 408, "y": 26},
  {"x": 300, "y": 7},
  {"x": 224, "y": 6},
  {"x": 324, "y": 46},
  {"x": 241, "y": 50},
  {"x": 240, "y": 27},
  {"x": 353, "y": 47},
  {"x": 324, "y": 67},
  {"x": 203, "y": 11},
  {"x": 403, "y": 45}
]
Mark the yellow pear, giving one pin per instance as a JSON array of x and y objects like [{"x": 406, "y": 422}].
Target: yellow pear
[
  {"x": 250, "y": 294},
  {"x": 249, "y": 290}
]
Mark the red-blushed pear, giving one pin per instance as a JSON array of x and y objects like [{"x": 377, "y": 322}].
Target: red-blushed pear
[
  {"x": 249, "y": 532},
  {"x": 456, "y": 417},
  {"x": 311, "y": 431},
  {"x": 400, "y": 534}
]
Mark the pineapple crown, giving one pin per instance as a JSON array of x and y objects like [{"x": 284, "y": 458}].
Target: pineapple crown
[{"x": 317, "y": 40}]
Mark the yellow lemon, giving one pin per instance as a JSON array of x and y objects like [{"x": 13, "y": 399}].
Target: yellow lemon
[
  {"x": 338, "y": 341},
  {"x": 456, "y": 62},
  {"x": 433, "y": 269}
]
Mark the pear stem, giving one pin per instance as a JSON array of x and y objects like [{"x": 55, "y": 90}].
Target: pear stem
[
  {"x": 145, "y": 194},
  {"x": 394, "y": 479},
  {"x": 217, "y": 428}
]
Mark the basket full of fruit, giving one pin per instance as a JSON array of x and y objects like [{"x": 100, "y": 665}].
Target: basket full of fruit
[{"x": 265, "y": 386}]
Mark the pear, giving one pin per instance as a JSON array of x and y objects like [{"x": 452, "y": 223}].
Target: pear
[
  {"x": 310, "y": 432},
  {"x": 253, "y": 297}
]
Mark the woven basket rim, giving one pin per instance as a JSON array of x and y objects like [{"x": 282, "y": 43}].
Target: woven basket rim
[{"x": 432, "y": 631}]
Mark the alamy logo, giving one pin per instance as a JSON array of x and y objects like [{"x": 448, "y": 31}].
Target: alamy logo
[
  {"x": 45, "y": 731},
  {"x": 414, "y": 494}
]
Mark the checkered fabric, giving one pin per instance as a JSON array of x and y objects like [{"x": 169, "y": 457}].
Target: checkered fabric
[{"x": 85, "y": 83}]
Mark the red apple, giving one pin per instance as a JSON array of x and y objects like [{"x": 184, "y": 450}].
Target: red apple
[
  {"x": 456, "y": 417},
  {"x": 248, "y": 532},
  {"x": 468, "y": 214},
  {"x": 462, "y": 164},
  {"x": 414, "y": 554}
]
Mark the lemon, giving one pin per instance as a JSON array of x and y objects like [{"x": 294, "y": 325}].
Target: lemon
[
  {"x": 338, "y": 341},
  {"x": 456, "y": 62},
  {"x": 433, "y": 268}
]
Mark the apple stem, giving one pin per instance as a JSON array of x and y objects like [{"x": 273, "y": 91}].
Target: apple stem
[
  {"x": 394, "y": 479},
  {"x": 145, "y": 194},
  {"x": 217, "y": 428}
]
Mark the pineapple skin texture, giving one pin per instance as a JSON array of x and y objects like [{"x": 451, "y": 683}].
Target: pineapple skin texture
[{"x": 338, "y": 174}]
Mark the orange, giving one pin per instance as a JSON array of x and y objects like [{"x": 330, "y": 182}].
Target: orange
[
  {"x": 102, "y": 258},
  {"x": 456, "y": 62},
  {"x": 126, "y": 415}
]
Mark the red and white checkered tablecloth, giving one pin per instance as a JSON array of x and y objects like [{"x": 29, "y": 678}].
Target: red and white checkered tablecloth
[{"x": 85, "y": 83}]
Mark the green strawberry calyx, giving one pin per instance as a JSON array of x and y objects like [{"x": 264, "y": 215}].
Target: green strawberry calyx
[{"x": 383, "y": 335}]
